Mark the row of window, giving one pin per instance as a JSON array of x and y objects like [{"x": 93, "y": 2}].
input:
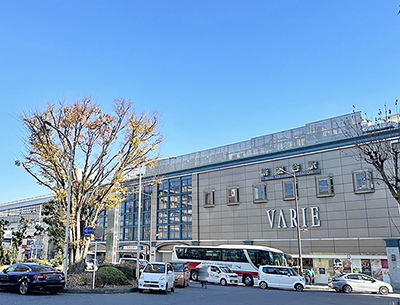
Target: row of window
[
  {"x": 362, "y": 183},
  {"x": 174, "y": 211}
]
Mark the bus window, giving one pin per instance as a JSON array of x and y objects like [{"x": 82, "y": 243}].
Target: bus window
[
  {"x": 212, "y": 254},
  {"x": 233, "y": 255}
]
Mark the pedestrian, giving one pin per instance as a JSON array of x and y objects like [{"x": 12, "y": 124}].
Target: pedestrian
[
  {"x": 203, "y": 276},
  {"x": 310, "y": 276}
]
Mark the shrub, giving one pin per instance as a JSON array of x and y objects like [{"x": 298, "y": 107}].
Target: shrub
[
  {"x": 85, "y": 279},
  {"x": 128, "y": 269},
  {"x": 112, "y": 276},
  {"x": 99, "y": 280},
  {"x": 44, "y": 262}
]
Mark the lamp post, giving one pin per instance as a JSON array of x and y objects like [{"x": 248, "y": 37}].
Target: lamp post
[
  {"x": 296, "y": 199},
  {"x": 66, "y": 241},
  {"x": 139, "y": 230}
]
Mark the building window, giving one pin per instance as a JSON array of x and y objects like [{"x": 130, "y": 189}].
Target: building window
[
  {"x": 129, "y": 215},
  {"x": 324, "y": 186},
  {"x": 233, "y": 195},
  {"x": 288, "y": 190},
  {"x": 103, "y": 222},
  {"x": 363, "y": 182},
  {"x": 260, "y": 193},
  {"x": 209, "y": 199},
  {"x": 174, "y": 209}
]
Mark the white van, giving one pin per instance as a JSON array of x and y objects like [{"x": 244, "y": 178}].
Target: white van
[
  {"x": 222, "y": 275},
  {"x": 157, "y": 276},
  {"x": 280, "y": 277}
]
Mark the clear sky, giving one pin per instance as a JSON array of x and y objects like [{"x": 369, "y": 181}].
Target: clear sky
[{"x": 216, "y": 71}]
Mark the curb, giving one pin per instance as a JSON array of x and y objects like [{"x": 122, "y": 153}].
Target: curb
[
  {"x": 101, "y": 290},
  {"x": 318, "y": 288}
]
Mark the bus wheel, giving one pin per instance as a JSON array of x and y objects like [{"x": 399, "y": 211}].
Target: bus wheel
[
  {"x": 194, "y": 275},
  {"x": 248, "y": 280}
]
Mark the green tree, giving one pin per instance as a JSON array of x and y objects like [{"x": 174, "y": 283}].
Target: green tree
[
  {"x": 9, "y": 256},
  {"x": 53, "y": 217},
  {"x": 104, "y": 148},
  {"x": 3, "y": 251}
]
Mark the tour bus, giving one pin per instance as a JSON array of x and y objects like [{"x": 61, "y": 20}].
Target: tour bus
[{"x": 241, "y": 259}]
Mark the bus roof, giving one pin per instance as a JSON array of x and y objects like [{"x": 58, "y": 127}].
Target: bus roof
[{"x": 249, "y": 247}]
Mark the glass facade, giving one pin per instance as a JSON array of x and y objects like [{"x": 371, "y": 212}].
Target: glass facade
[
  {"x": 174, "y": 209},
  {"x": 103, "y": 222},
  {"x": 129, "y": 215}
]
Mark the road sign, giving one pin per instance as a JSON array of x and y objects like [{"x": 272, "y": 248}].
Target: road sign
[
  {"x": 131, "y": 248},
  {"x": 87, "y": 231},
  {"x": 98, "y": 232}
]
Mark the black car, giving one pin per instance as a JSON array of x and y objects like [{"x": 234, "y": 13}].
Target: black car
[{"x": 28, "y": 277}]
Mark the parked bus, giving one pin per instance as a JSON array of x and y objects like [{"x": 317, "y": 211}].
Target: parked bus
[{"x": 241, "y": 259}]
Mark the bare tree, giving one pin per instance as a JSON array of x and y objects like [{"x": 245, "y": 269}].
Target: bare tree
[
  {"x": 377, "y": 142},
  {"x": 104, "y": 149}
]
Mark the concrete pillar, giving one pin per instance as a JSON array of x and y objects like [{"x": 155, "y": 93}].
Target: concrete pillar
[
  {"x": 393, "y": 254},
  {"x": 112, "y": 236}
]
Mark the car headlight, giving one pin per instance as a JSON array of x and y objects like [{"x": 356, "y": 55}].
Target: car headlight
[
  {"x": 180, "y": 276},
  {"x": 162, "y": 278},
  {"x": 141, "y": 276}
]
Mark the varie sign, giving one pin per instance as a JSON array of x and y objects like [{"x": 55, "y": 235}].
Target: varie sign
[{"x": 289, "y": 218}]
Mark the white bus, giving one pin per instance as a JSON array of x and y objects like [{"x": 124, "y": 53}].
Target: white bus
[{"x": 241, "y": 259}]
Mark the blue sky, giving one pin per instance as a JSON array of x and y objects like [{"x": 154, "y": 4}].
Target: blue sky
[{"x": 217, "y": 72}]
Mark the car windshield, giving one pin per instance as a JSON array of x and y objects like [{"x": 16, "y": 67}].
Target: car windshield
[
  {"x": 226, "y": 269},
  {"x": 178, "y": 267},
  {"x": 154, "y": 268},
  {"x": 292, "y": 272}
]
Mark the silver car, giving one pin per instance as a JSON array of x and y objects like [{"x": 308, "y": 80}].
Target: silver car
[{"x": 360, "y": 283}]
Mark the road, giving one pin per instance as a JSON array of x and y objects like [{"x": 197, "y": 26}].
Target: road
[{"x": 195, "y": 295}]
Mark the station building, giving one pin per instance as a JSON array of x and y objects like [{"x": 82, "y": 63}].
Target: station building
[{"x": 248, "y": 193}]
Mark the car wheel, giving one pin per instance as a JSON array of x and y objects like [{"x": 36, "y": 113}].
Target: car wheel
[
  {"x": 299, "y": 287},
  {"x": 166, "y": 289},
  {"x": 223, "y": 282},
  {"x": 173, "y": 288},
  {"x": 263, "y": 285},
  {"x": 248, "y": 280},
  {"x": 53, "y": 291},
  {"x": 337, "y": 289},
  {"x": 383, "y": 290},
  {"x": 194, "y": 275},
  {"x": 24, "y": 287},
  {"x": 347, "y": 289},
  {"x": 140, "y": 290}
]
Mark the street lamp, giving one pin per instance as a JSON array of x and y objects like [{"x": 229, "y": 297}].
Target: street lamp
[
  {"x": 139, "y": 229},
  {"x": 66, "y": 242},
  {"x": 296, "y": 199}
]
